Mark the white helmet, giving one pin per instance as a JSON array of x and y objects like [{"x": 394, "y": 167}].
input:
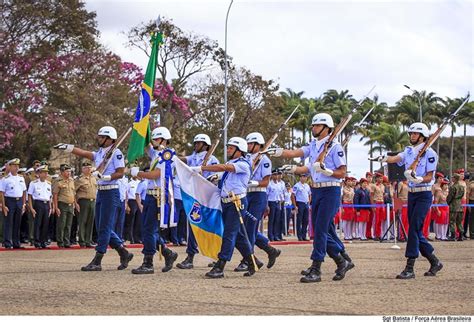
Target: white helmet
[
  {"x": 161, "y": 133},
  {"x": 323, "y": 118},
  {"x": 108, "y": 131},
  {"x": 240, "y": 143},
  {"x": 202, "y": 138},
  {"x": 421, "y": 128},
  {"x": 255, "y": 137}
]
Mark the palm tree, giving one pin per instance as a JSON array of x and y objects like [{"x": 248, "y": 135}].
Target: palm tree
[
  {"x": 451, "y": 105},
  {"x": 292, "y": 99},
  {"x": 407, "y": 109},
  {"x": 466, "y": 117},
  {"x": 339, "y": 105},
  {"x": 388, "y": 137}
]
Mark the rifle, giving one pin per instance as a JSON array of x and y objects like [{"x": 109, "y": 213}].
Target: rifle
[
  {"x": 216, "y": 143},
  {"x": 108, "y": 156},
  {"x": 348, "y": 137},
  {"x": 259, "y": 157},
  {"x": 432, "y": 138},
  {"x": 339, "y": 128}
]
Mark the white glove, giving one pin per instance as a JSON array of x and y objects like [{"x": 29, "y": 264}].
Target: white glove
[
  {"x": 253, "y": 183},
  {"x": 288, "y": 168},
  {"x": 215, "y": 176},
  {"x": 411, "y": 176},
  {"x": 380, "y": 158},
  {"x": 196, "y": 169},
  {"x": 102, "y": 177},
  {"x": 65, "y": 147},
  {"x": 276, "y": 152},
  {"x": 319, "y": 167},
  {"x": 134, "y": 171}
]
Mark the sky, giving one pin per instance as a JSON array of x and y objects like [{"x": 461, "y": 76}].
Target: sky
[{"x": 313, "y": 46}]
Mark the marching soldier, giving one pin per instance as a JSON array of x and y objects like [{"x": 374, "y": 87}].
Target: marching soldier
[
  {"x": 233, "y": 185},
  {"x": 257, "y": 201},
  {"x": 202, "y": 143},
  {"x": 64, "y": 203},
  {"x": 86, "y": 193},
  {"x": 160, "y": 139},
  {"x": 13, "y": 199},
  {"x": 326, "y": 195},
  {"x": 108, "y": 196},
  {"x": 420, "y": 198},
  {"x": 39, "y": 202}
]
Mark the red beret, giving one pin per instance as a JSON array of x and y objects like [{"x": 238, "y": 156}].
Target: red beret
[
  {"x": 369, "y": 174},
  {"x": 445, "y": 181},
  {"x": 440, "y": 174},
  {"x": 363, "y": 180},
  {"x": 378, "y": 174},
  {"x": 459, "y": 171},
  {"x": 385, "y": 179}
]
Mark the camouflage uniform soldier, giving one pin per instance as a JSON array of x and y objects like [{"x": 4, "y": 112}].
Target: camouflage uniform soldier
[
  {"x": 63, "y": 202},
  {"x": 86, "y": 192},
  {"x": 455, "y": 195}
]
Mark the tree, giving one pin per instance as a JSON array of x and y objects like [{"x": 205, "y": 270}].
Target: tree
[{"x": 388, "y": 137}]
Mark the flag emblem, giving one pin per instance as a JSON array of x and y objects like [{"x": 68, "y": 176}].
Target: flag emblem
[{"x": 195, "y": 213}]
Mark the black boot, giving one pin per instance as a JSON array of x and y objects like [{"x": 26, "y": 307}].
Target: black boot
[
  {"x": 306, "y": 271},
  {"x": 146, "y": 267},
  {"x": 251, "y": 267},
  {"x": 95, "y": 265},
  {"x": 435, "y": 263},
  {"x": 125, "y": 257},
  {"x": 272, "y": 253},
  {"x": 350, "y": 264},
  {"x": 217, "y": 270},
  {"x": 314, "y": 274},
  {"x": 342, "y": 267},
  {"x": 258, "y": 262},
  {"x": 243, "y": 266},
  {"x": 170, "y": 258},
  {"x": 452, "y": 237},
  {"x": 408, "y": 272},
  {"x": 460, "y": 237},
  {"x": 187, "y": 263}
]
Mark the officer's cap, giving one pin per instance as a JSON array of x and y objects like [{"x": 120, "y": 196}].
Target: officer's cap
[
  {"x": 64, "y": 167},
  {"x": 43, "y": 168},
  {"x": 36, "y": 161},
  {"x": 14, "y": 161},
  {"x": 86, "y": 164}
]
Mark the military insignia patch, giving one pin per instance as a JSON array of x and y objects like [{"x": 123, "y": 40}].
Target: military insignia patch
[
  {"x": 266, "y": 165},
  {"x": 119, "y": 156},
  {"x": 340, "y": 153},
  {"x": 431, "y": 160},
  {"x": 195, "y": 213}
]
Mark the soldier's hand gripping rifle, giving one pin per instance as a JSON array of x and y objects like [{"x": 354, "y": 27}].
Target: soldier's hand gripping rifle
[
  {"x": 108, "y": 156},
  {"x": 258, "y": 158},
  {"x": 213, "y": 147},
  {"x": 432, "y": 138},
  {"x": 338, "y": 130},
  {"x": 348, "y": 137}
]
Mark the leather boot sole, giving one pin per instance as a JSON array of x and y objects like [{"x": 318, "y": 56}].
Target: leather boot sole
[{"x": 124, "y": 265}]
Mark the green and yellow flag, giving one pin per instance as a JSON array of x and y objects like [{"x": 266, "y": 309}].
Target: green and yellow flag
[{"x": 141, "y": 125}]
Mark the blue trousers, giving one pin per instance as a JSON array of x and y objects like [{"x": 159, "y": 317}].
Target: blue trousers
[
  {"x": 418, "y": 205},
  {"x": 324, "y": 205},
  {"x": 106, "y": 208},
  {"x": 150, "y": 232},
  {"x": 182, "y": 220},
  {"x": 12, "y": 222},
  {"x": 302, "y": 219},
  {"x": 273, "y": 218},
  {"x": 120, "y": 220},
  {"x": 233, "y": 233},
  {"x": 257, "y": 202}
]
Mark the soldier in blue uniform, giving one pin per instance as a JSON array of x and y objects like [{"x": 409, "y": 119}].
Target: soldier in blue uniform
[
  {"x": 235, "y": 180},
  {"x": 301, "y": 200},
  {"x": 420, "y": 198},
  {"x": 326, "y": 196},
  {"x": 257, "y": 201},
  {"x": 108, "y": 196},
  {"x": 13, "y": 199},
  {"x": 160, "y": 139},
  {"x": 202, "y": 143}
]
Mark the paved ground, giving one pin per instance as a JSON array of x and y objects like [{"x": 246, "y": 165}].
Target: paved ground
[{"x": 50, "y": 282}]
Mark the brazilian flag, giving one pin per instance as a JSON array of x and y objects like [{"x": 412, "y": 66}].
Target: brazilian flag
[{"x": 141, "y": 125}]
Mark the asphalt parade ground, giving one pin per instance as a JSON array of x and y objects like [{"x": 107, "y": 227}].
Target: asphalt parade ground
[{"x": 50, "y": 282}]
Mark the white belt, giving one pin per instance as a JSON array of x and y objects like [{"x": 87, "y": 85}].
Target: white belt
[
  {"x": 326, "y": 184},
  {"x": 108, "y": 187},
  {"x": 229, "y": 199},
  {"x": 419, "y": 189},
  {"x": 153, "y": 192},
  {"x": 256, "y": 189}
]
